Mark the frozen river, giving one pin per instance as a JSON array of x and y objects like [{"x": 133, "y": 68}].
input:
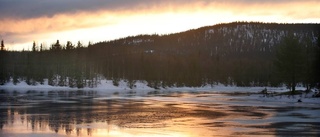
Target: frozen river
[{"x": 155, "y": 114}]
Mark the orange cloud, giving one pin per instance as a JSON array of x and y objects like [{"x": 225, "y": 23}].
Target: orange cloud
[
  {"x": 56, "y": 23},
  {"x": 154, "y": 18},
  {"x": 70, "y": 21}
]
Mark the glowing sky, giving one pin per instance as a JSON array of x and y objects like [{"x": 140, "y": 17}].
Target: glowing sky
[{"x": 45, "y": 21}]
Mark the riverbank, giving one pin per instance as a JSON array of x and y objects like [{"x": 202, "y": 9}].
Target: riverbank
[{"x": 107, "y": 85}]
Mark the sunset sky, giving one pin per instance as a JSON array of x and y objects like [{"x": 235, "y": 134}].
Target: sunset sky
[{"x": 45, "y": 21}]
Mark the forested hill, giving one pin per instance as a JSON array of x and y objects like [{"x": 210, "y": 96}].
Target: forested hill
[
  {"x": 236, "y": 53},
  {"x": 232, "y": 37}
]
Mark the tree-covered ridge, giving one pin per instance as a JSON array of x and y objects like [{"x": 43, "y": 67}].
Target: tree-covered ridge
[{"x": 236, "y": 53}]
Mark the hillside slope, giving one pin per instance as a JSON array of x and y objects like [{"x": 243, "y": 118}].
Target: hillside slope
[{"x": 237, "y": 53}]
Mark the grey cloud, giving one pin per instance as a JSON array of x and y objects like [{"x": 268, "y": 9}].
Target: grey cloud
[{"x": 35, "y": 8}]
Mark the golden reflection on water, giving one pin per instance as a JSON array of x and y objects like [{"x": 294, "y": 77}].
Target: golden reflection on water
[
  {"x": 151, "y": 116},
  {"x": 180, "y": 127}
]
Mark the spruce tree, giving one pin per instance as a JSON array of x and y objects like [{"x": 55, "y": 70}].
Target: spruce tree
[
  {"x": 2, "y": 45},
  {"x": 290, "y": 61},
  {"x": 34, "y": 46}
]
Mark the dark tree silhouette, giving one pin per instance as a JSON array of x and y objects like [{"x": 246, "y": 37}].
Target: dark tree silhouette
[
  {"x": 34, "y": 49},
  {"x": 41, "y": 47},
  {"x": 317, "y": 64},
  {"x": 79, "y": 44},
  {"x": 56, "y": 46},
  {"x": 69, "y": 45},
  {"x": 2, "y": 45},
  {"x": 290, "y": 61}
]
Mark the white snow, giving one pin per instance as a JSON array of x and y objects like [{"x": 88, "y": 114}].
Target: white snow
[
  {"x": 211, "y": 31},
  {"x": 141, "y": 87},
  {"x": 23, "y": 86},
  {"x": 107, "y": 85}
]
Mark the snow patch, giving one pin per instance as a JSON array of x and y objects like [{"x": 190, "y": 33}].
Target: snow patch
[
  {"x": 141, "y": 88},
  {"x": 106, "y": 85}
]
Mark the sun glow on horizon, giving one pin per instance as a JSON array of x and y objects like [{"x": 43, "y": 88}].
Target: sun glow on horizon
[{"x": 105, "y": 25}]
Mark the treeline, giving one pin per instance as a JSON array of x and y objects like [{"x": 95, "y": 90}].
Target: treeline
[
  {"x": 67, "y": 65},
  {"x": 239, "y": 54}
]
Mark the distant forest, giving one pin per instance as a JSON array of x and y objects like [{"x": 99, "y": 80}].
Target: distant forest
[{"x": 238, "y": 53}]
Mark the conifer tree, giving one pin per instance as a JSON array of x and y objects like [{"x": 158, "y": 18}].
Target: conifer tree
[
  {"x": 2, "y": 45},
  {"x": 79, "y": 44},
  {"x": 290, "y": 61},
  {"x": 69, "y": 45},
  {"x": 41, "y": 47},
  {"x": 56, "y": 46},
  {"x": 34, "y": 46}
]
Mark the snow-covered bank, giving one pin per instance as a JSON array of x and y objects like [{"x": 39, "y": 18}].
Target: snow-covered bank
[
  {"x": 107, "y": 85},
  {"x": 141, "y": 89}
]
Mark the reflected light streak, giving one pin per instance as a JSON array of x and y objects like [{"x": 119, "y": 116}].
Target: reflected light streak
[
  {"x": 22, "y": 125},
  {"x": 180, "y": 115}
]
